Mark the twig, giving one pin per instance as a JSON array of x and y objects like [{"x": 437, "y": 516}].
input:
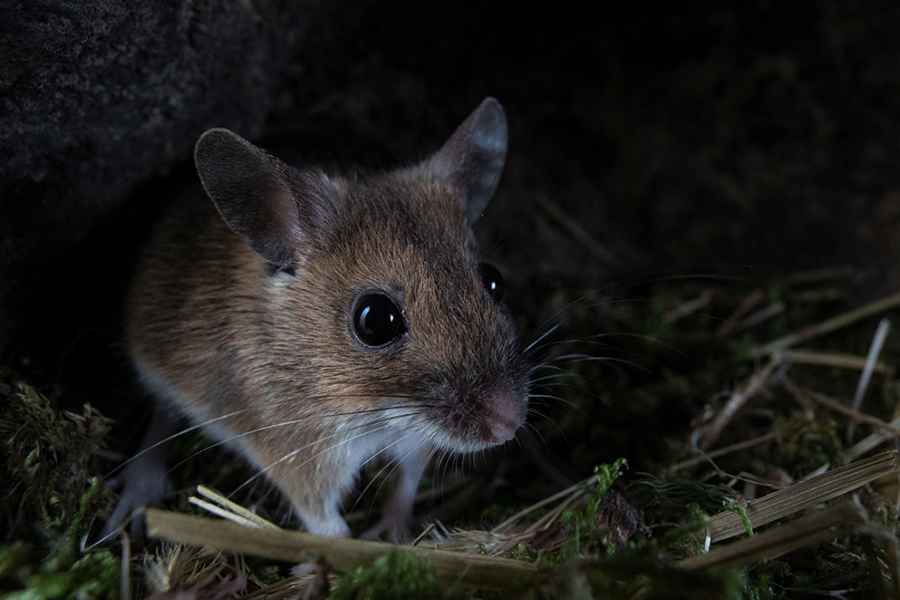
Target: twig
[
  {"x": 229, "y": 510},
  {"x": 804, "y": 494},
  {"x": 578, "y": 487},
  {"x": 737, "y": 400},
  {"x": 688, "y": 307},
  {"x": 470, "y": 570},
  {"x": 727, "y": 450},
  {"x": 850, "y": 412},
  {"x": 732, "y": 321},
  {"x": 827, "y": 326},
  {"x": 832, "y": 359},
  {"x": 873, "y": 440},
  {"x": 424, "y": 534},
  {"x": 866, "y": 375},
  {"x": 763, "y": 315},
  {"x": 810, "y": 531}
]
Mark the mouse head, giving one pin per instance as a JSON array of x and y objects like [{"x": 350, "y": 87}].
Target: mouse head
[{"x": 373, "y": 287}]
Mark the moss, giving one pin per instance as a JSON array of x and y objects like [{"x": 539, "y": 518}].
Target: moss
[
  {"x": 63, "y": 573},
  {"x": 50, "y": 500},
  {"x": 582, "y": 531},
  {"x": 396, "y": 576}
]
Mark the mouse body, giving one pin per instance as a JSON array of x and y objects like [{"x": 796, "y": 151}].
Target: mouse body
[{"x": 315, "y": 322}]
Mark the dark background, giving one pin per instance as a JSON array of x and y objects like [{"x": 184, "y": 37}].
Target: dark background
[{"x": 758, "y": 139}]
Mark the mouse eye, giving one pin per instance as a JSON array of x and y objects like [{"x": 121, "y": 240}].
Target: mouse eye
[
  {"x": 377, "y": 320},
  {"x": 492, "y": 280}
]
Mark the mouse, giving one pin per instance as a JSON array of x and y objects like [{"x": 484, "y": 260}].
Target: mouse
[{"x": 316, "y": 321}]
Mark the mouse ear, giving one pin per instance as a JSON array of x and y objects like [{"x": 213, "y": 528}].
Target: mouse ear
[
  {"x": 256, "y": 194},
  {"x": 472, "y": 160}
]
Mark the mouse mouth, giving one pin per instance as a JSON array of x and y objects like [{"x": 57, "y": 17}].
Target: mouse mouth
[{"x": 467, "y": 422}]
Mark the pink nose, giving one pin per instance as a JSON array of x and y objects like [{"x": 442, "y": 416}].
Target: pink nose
[
  {"x": 506, "y": 413},
  {"x": 502, "y": 432}
]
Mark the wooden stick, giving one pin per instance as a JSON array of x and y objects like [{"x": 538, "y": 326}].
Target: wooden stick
[
  {"x": 809, "y": 531},
  {"x": 469, "y": 570},
  {"x": 804, "y": 494}
]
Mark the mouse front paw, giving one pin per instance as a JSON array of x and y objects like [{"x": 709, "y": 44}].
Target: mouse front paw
[
  {"x": 143, "y": 483},
  {"x": 389, "y": 530}
]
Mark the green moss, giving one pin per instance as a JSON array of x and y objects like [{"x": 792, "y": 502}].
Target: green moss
[
  {"x": 525, "y": 552},
  {"x": 64, "y": 573},
  {"x": 581, "y": 527},
  {"x": 679, "y": 493},
  {"x": 50, "y": 500},
  {"x": 398, "y": 575}
]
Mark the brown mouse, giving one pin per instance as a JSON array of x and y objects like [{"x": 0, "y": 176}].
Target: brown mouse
[{"x": 315, "y": 322}]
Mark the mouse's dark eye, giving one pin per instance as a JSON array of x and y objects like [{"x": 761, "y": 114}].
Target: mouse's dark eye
[
  {"x": 377, "y": 320},
  {"x": 492, "y": 280}
]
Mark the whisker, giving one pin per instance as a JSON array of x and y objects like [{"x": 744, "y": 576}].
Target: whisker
[
  {"x": 551, "y": 422},
  {"x": 560, "y": 373},
  {"x": 551, "y": 397},
  {"x": 643, "y": 279},
  {"x": 263, "y": 470},
  {"x": 394, "y": 464},
  {"x": 611, "y": 360},
  {"x": 268, "y": 427},
  {"x": 172, "y": 437},
  {"x": 539, "y": 339},
  {"x": 536, "y": 432},
  {"x": 552, "y": 387},
  {"x": 640, "y": 336},
  {"x": 368, "y": 431}
]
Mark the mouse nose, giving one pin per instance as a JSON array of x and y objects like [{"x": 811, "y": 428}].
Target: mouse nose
[{"x": 505, "y": 413}]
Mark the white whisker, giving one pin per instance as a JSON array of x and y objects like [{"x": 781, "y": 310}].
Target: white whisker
[
  {"x": 539, "y": 339},
  {"x": 368, "y": 430},
  {"x": 173, "y": 437},
  {"x": 274, "y": 426}
]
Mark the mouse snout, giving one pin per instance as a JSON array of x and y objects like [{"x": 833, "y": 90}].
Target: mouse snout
[{"x": 505, "y": 414}]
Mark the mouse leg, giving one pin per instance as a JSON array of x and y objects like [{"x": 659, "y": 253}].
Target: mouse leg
[
  {"x": 315, "y": 486},
  {"x": 144, "y": 479},
  {"x": 327, "y": 523},
  {"x": 394, "y": 525}
]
